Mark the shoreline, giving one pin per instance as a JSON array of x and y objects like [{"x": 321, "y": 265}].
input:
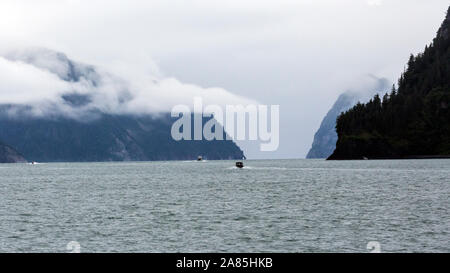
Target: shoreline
[{"x": 394, "y": 158}]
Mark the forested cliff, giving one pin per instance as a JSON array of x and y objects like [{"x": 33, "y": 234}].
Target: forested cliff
[{"x": 413, "y": 121}]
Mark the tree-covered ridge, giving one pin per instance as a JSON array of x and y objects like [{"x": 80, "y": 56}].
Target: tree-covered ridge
[
  {"x": 411, "y": 121},
  {"x": 326, "y": 137}
]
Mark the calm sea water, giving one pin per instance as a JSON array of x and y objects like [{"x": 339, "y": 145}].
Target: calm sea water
[{"x": 273, "y": 206}]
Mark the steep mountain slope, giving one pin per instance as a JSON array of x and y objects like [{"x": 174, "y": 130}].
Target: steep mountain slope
[
  {"x": 108, "y": 138},
  {"x": 411, "y": 122},
  {"x": 73, "y": 126},
  {"x": 9, "y": 155},
  {"x": 325, "y": 138}
]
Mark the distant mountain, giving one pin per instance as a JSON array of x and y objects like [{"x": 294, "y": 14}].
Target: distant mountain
[
  {"x": 9, "y": 155},
  {"x": 325, "y": 138},
  {"x": 73, "y": 130},
  {"x": 108, "y": 138},
  {"x": 411, "y": 122},
  {"x": 56, "y": 63}
]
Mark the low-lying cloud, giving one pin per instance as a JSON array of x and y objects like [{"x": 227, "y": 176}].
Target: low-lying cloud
[{"x": 48, "y": 83}]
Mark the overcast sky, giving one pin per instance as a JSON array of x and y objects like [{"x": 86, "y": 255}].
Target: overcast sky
[{"x": 299, "y": 54}]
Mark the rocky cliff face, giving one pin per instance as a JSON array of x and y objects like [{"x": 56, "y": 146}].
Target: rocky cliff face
[
  {"x": 325, "y": 138},
  {"x": 9, "y": 155}
]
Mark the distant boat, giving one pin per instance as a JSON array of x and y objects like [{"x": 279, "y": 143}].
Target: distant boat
[
  {"x": 199, "y": 158},
  {"x": 33, "y": 163},
  {"x": 365, "y": 158},
  {"x": 240, "y": 165}
]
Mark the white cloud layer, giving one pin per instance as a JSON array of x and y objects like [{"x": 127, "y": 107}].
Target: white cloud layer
[{"x": 42, "y": 79}]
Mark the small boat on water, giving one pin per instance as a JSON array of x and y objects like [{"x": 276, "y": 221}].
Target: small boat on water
[
  {"x": 240, "y": 165},
  {"x": 199, "y": 158}
]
